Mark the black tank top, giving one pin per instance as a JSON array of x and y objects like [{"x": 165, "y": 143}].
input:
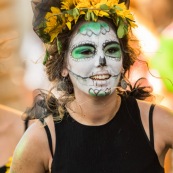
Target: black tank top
[{"x": 120, "y": 146}]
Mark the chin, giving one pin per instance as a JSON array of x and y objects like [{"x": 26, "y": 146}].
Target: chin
[{"x": 100, "y": 92}]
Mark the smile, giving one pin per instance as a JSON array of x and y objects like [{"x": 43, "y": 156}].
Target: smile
[{"x": 100, "y": 77}]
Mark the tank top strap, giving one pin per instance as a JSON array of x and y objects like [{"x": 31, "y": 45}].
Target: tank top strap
[
  {"x": 151, "y": 124},
  {"x": 49, "y": 137},
  {"x": 134, "y": 113},
  {"x": 26, "y": 124}
]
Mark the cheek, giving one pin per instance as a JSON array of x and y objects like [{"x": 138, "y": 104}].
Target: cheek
[
  {"x": 116, "y": 66},
  {"x": 80, "y": 67}
]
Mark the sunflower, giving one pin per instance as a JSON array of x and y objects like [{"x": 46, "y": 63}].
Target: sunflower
[{"x": 68, "y": 14}]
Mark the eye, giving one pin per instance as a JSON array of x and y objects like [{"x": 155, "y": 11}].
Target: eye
[
  {"x": 86, "y": 52},
  {"x": 113, "y": 50},
  {"x": 83, "y": 51}
]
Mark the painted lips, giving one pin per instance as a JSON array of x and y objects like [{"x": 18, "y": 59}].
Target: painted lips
[{"x": 100, "y": 77}]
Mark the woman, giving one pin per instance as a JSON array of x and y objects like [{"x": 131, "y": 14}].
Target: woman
[{"x": 96, "y": 124}]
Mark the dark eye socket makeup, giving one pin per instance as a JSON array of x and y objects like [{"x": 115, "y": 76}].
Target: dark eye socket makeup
[
  {"x": 83, "y": 51},
  {"x": 87, "y": 50},
  {"x": 112, "y": 49}
]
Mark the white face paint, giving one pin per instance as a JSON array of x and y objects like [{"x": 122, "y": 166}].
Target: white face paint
[{"x": 94, "y": 59}]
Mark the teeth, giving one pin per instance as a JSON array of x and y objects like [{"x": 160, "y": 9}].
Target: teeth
[{"x": 100, "y": 77}]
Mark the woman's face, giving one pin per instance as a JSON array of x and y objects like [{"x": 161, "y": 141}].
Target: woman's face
[{"x": 94, "y": 59}]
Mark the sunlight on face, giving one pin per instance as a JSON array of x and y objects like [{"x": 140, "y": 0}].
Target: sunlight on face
[{"x": 94, "y": 59}]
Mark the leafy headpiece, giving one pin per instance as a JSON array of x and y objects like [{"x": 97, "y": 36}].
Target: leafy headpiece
[{"x": 52, "y": 17}]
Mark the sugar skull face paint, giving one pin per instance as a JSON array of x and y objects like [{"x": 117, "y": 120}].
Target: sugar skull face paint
[{"x": 94, "y": 59}]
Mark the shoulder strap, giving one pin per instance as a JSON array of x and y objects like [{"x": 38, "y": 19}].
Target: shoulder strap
[
  {"x": 49, "y": 137},
  {"x": 151, "y": 124},
  {"x": 26, "y": 124}
]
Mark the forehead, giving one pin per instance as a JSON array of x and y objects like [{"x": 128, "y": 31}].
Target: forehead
[{"x": 94, "y": 31}]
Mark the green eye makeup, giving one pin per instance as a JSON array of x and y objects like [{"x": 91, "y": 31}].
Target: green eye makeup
[
  {"x": 83, "y": 51},
  {"x": 113, "y": 50}
]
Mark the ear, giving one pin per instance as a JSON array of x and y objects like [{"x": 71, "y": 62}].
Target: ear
[
  {"x": 64, "y": 72},
  {"x": 127, "y": 2}
]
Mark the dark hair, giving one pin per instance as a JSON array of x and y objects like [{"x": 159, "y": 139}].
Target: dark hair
[{"x": 57, "y": 61}]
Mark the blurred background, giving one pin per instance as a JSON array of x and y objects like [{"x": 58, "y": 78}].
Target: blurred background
[{"x": 22, "y": 52}]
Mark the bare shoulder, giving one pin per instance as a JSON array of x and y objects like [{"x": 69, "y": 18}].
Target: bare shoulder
[
  {"x": 32, "y": 149},
  {"x": 162, "y": 121}
]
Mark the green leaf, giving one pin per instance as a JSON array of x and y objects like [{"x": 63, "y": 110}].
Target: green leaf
[
  {"x": 70, "y": 12},
  {"x": 118, "y": 8},
  {"x": 96, "y": 17},
  {"x": 93, "y": 16},
  {"x": 126, "y": 28},
  {"x": 120, "y": 31},
  {"x": 104, "y": 7},
  {"x": 75, "y": 12},
  {"x": 59, "y": 46},
  {"x": 46, "y": 57},
  {"x": 112, "y": 11},
  {"x": 117, "y": 21},
  {"x": 45, "y": 37},
  {"x": 42, "y": 24},
  {"x": 87, "y": 16}
]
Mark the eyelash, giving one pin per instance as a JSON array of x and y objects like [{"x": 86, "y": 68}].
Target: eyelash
[
  {"x": 83, "y": 43},
  {"x": 107, "y": 41}
]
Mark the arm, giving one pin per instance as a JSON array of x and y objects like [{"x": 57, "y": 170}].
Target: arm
[
  {"x": 32, "y": 153},
  {"x": 162, "y": 126}
]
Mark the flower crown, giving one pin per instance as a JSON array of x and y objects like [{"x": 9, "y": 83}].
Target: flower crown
[{"x": 63, "y": 18}]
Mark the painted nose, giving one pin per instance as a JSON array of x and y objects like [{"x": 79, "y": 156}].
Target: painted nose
[{"x": 102, "y": 61}]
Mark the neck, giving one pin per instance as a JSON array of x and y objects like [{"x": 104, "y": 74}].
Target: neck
[{"x": 91, "y": 110}]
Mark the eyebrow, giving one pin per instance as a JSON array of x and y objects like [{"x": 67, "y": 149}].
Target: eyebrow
[
  {"x": 110, "y": 42},
  {"x": 83, "y": 44}
]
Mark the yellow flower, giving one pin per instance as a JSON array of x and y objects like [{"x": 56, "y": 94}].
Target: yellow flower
[
  {"x": 68, "y": 25},
  {"x": 69, "y": 19},
  {"x": 82, "y": 12},
  {"x": 67, "y": 5},
  {"x": 103, "y": 13},
  {"x": 132, "y": 24},
  {"x": 51, "y": 19},
  {"x": 96, "y": 12},
  {"x": 113, "y": 2},
  {"x": 57, "y": 20},
  {"x": 83, "y": 4},
  {"x": 98, "y": 3},
  {"x": 54, "y": 33},
  {"x": 121, "y": 10}
]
